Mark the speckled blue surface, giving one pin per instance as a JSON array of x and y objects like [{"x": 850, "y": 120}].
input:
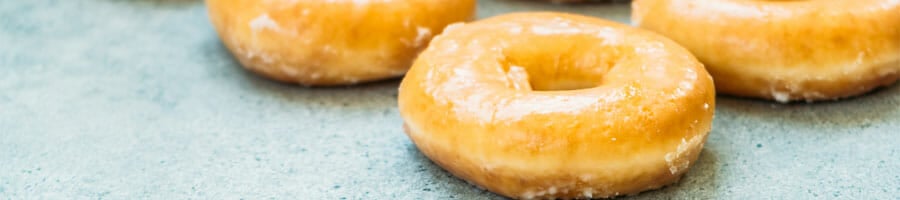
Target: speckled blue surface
[{"x": 137, "y": 99}]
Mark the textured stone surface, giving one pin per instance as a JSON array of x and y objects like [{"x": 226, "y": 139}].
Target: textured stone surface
[{"x": 137, "y": 99}]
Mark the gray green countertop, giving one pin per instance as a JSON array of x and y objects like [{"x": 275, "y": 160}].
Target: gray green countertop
[{"x": 137, "y": 99}]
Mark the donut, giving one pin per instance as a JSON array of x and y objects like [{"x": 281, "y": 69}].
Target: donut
[
  {"x": 784, "y": 50},
  {"x": 335, "y": 42},
  {"x": 553, "y": 105}
]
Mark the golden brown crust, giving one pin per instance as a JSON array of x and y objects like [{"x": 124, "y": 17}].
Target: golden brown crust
[
  {"x": 785, "y": 50},
  {"x": 497, "y": 102},
  {"x": 332, "y": 42}
]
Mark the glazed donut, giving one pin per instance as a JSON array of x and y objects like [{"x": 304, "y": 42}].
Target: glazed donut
[
  {"x": 785, "y": 50},
  {"x": 335, "y": 42},
  {"x": 552, "y": 105}
]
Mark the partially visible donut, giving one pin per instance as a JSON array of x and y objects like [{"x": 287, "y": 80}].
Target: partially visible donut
[
  {"x": 552, "y": 105},
  {"x": 785, "y": 50},
  {"x": 334, "y": 42}
]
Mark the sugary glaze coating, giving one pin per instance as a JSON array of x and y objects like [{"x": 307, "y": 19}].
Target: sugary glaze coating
[
  {"x": 332, "y": 42},
  {"x": 784, "y": 50},
  {"x": 542, "y": 105}
]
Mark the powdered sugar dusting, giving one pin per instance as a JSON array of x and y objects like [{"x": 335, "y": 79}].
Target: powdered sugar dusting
[
  {"x": 518, "y": 78},
  {"x": 781, "y": 96},
  {"x": 588, "y": 192},
  {"x": 528, "y": 195},
  {"x": 263, "y": 22},
  {"x": 423, "y": 33},
  {"x": 555, "y": 30},
  {"x": 262, "y": 56},
  {"x": 677, "y": 160}
]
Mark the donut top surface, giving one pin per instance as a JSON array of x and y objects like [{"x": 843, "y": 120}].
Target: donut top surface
[
  {"x": 535, "y": 64},
  {"x": 549, "y": 74}
]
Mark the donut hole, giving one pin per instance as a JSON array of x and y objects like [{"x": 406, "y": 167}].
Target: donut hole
[{"x": 555, "y": 63}]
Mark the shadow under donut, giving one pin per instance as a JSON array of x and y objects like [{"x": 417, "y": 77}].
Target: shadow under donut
[
  {"x": 854, "y": 112},
  {"x": 455, "y": 188},
  {"x": 699, "y": 182}
]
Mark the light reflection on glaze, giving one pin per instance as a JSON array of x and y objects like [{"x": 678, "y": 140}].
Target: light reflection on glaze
[{"x": 536, "y": 103}]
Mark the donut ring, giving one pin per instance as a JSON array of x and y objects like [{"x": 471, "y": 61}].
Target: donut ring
[
  {"x": 785, "y": 50},
  {"x": 552, "y": 105},
  {"x": 336, "y": 42}
]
